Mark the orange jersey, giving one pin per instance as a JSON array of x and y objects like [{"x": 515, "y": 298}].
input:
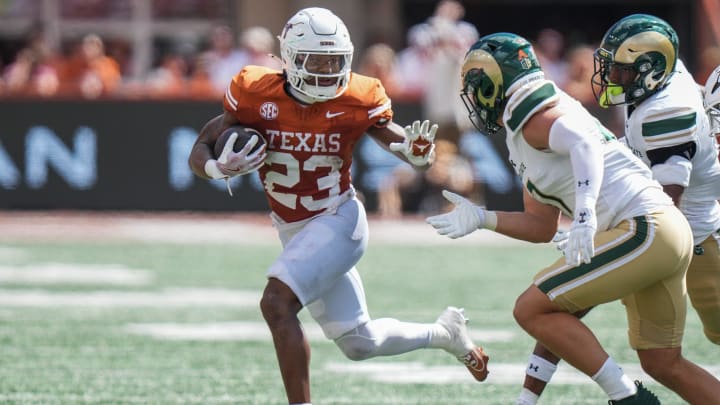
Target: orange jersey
[{"x": 309, "y": 147}]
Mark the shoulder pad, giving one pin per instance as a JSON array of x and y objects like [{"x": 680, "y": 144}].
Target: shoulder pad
[{"x": 526, "y": 101}]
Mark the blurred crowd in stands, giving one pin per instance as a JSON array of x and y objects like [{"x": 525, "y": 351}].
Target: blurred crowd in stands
[
  {"x": 467, "y": 162},
  {"x": 90, "y": 67},
  {"x": 87, "y": 70},
  {"x": 421, "y": 73}
]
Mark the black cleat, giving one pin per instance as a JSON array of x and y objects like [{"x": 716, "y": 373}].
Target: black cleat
[{"x": 642, "y": 397}]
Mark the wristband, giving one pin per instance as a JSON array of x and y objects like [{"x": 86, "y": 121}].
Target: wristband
[
  {"x": 584, "y": 201},
  {"x": 490, "y": 220},
  {"x": 212, "y": 170}
]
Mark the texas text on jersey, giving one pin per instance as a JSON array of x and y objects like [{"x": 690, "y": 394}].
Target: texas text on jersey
[{"x": 307, "y": 169}]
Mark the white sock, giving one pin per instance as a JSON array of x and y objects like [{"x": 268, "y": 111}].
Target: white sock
[
  {"x": 527, "y": 397},
  {"x": 439, "y": 337},
  {"x": 613, "y": 381},
  {"x": 393, "y": 337}
]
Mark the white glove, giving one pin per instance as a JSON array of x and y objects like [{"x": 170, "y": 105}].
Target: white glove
[
  {"x": 418, "y": 146},
  {"x": 560, "y": 240},
  {"x": 580, "y": 247},
  {"x": 465, "y": 218},
  {"x": 236, "y": 163},
  {"x": 231, "y": 164}
]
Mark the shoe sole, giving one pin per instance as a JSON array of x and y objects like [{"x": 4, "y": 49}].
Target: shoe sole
[{"x": 476, "y": 362}]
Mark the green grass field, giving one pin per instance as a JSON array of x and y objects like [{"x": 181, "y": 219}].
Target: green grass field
[{"x": 146, "y": 323}]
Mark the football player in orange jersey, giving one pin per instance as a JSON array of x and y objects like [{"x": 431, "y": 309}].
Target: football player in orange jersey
[{"x": 312, "y": 114}]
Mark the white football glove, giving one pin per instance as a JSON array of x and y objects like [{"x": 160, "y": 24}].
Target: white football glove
[
  {"x": 580, "y": 247},
  {"x": 236, "y": 163},
  {"x": 418, "y": 146},
  {"x": 231, "y": 164},
  {"x": 560, "y": 240},
  {"x": 465, "y": 218}
]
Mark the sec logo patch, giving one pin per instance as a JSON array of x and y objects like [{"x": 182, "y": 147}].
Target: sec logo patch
[{"x": 269, "y": 111}]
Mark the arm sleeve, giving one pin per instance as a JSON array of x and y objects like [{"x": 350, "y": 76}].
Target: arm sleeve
[{"x": 572, "y": 135}]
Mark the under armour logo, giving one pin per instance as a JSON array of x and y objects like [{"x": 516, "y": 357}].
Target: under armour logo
[
  {"x": 582, "y": 216},
  {"x": 533, "y": 367},
  {"x": 585, "y": 182}
]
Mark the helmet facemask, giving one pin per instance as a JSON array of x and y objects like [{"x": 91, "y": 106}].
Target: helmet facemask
[
  {"x": 712, "y": 101},
  {"x": 483, "y": 100},
  {"x": 713, "y": 113},
  {"x": 606, "y": 92},
  {"x": 626, "y": 83},
  {"x": 319, "y": 76}
]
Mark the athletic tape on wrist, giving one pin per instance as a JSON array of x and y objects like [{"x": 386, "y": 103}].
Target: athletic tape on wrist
[{"x": 540, "y": 368}]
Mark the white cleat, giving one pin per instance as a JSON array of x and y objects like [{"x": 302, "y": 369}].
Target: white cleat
[{"x": 453, "y": 320}]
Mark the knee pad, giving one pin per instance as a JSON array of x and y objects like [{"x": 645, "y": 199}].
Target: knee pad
[{"x": 358, "y": 344}]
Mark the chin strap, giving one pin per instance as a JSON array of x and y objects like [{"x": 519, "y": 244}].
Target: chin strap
[{"x": 301, "y": 97}]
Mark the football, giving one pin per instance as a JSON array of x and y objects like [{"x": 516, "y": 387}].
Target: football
[{"x": 244, "y": 135}]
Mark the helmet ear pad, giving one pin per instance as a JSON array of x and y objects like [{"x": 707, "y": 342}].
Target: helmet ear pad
[
  {"x": 651, "y": 75},
  {"x": 656, "y": 65}
]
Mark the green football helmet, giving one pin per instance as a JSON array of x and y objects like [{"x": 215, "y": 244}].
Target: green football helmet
[
  {"x": 636, "y": 58},
  {"x": 494, "y": 67}
]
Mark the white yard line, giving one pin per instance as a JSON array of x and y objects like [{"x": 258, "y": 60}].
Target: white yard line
[
  {"x": 500, "y": 373},
  {"x": 8, "y": 254},
  {"x": 75, "y": 274},
  {"x": 166, "y": 298},
  {"x": 396, "y": 372},
  {"x": 230, "y": 228},
  {"x": 259, "y": 331}
]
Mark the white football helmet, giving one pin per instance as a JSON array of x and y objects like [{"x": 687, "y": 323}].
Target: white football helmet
[
  {"x": 712, "y": 100},
  {"x": 316, "y": 53}
]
